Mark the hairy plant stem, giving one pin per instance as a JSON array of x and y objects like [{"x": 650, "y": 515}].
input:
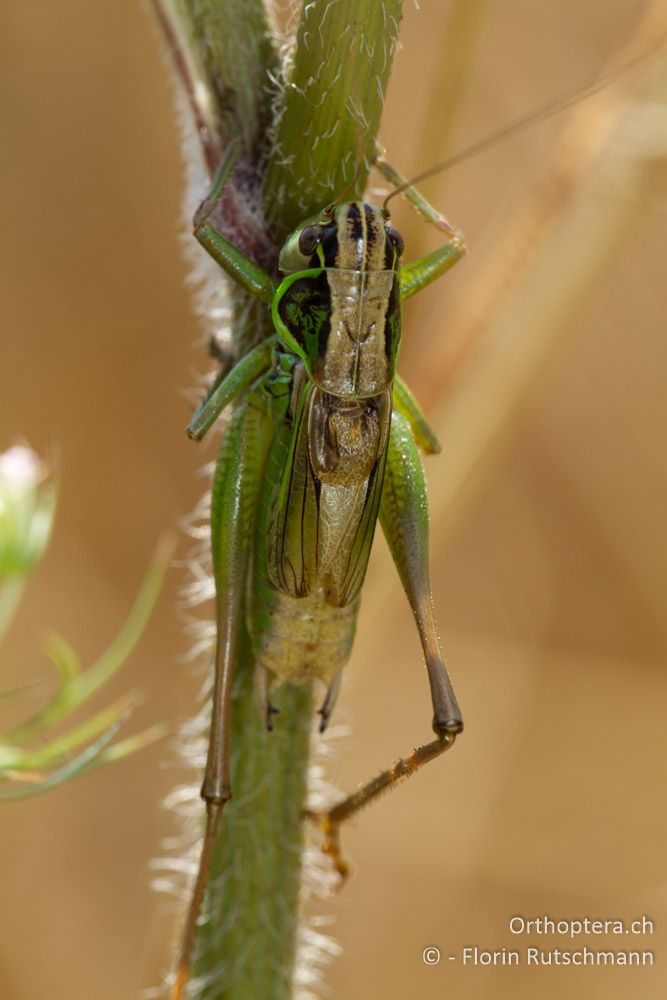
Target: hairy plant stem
[{"x": 301, "y": 148}]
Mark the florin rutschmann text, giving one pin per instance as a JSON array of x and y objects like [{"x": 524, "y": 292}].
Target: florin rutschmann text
[
  {"x": 548, "y": 955},
  {"x": 472, "y": 955}
]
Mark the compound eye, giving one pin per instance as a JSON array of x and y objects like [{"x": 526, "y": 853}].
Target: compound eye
[
  {"x": 395, "y": 239},
  {"x": 309, "y": 237}
]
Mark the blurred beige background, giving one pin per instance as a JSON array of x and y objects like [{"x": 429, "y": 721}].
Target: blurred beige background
[{"x": 550, "y": 586}]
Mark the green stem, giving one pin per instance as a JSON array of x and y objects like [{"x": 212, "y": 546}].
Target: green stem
[
  {"x": 316, "y": 146},
  {"x": 325, "y": 134}
]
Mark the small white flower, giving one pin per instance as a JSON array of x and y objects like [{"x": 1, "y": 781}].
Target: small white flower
[{"x": 27, "y": 504}]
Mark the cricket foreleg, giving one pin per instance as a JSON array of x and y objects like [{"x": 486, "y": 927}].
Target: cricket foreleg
[
  {"x": 226, "y": 361},
  {"x": 415, "y": 198},
  {"x": 226, "y": 389},
  {"x": 241, "y": 268},
  {"x": 419, "y": 273},
  {"x": 236, "y": 486}
]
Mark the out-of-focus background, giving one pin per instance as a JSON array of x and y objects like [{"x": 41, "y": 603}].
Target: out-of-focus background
[{"x": 549, "y": 572}]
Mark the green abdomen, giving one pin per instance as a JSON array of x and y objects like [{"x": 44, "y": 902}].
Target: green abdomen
[
  {"x": 315, "y": 522},
  {"x": 300, "y": 638}
]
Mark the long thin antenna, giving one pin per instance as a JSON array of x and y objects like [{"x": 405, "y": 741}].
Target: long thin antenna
[{"x": 534, "y": 117}]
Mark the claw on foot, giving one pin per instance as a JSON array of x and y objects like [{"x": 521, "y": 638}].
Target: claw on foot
[{"x": 330, "y": 845}]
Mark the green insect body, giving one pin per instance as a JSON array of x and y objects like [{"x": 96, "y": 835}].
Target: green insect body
[
  {"x": 325, "y": 472},
  {"x": 324, "y": 385},
  {"x": 322, "y": 442}
]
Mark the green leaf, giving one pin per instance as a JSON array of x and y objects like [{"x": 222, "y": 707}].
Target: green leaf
[
  {"x": 75, "y": 768},
  {"x": 76, "y": 686},
  {"x": 31, "y": 771},
  {"x": 58, "y": 749}
]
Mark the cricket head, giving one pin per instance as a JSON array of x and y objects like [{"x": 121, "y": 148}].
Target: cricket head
[{"x": 351, "y": 236}]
